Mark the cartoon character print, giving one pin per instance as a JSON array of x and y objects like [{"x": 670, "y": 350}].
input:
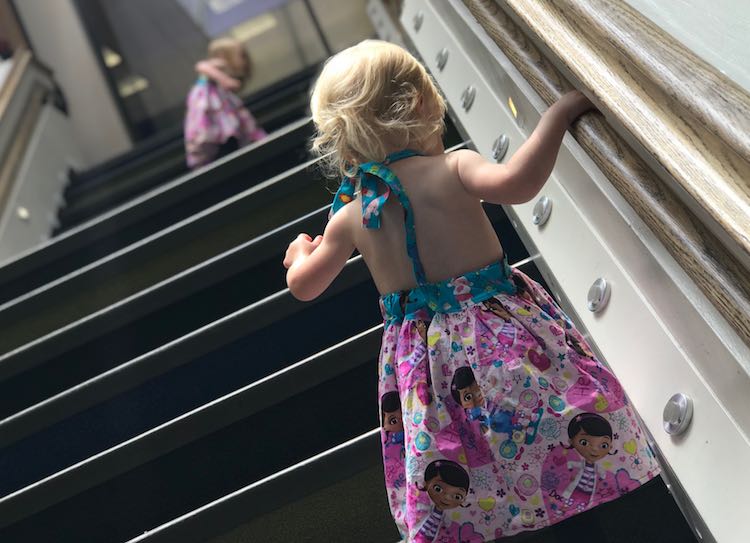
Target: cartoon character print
[
  {"x": 467, "y": 393},
  {"x": 522, "y": 288},
  {"x": 490, "y": 351},
  {"x": 579, "y": 346},
  {"x": 421, "y": 380},
  {"x": 392, "y": 419},
  {"x": 595, "y": 389},
  {"x": 573, "y": 478},
  {"x": 531, "y": 294},
  {"x": 447, "y": 485},
  {"x": 421, "y": 327},
  {"x": 497, "y": 416},
  {"x": 463, "y": 442},
  {"x": 412, "y": 353},
  {"x": 590, "y": 386},
  {"x": 393, "y": 440},
  {"x": 498, "y": 309},
  {"x": 496, "y": 336}
]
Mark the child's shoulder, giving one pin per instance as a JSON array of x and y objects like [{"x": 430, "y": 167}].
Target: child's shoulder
[
  {"x": 448, "y": 160},
  {"x": 451, "y": 164},
  {"x": 460, "y": 157}
]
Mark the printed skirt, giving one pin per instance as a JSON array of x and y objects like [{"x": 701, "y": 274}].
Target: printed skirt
[{"x": 496, "y": 416}]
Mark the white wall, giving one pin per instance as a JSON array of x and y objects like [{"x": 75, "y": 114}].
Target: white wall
[
  {"x": 716, "y": 30},
  {"x": 58, "y": 38}
]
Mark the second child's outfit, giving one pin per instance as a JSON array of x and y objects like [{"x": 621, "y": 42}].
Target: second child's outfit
[
  {"x": 216, "y": 122},
  {"x": 536, "y": 380}
]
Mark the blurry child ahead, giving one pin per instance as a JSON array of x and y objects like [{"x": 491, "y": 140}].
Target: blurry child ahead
[
  {"x": 506, "y": 420},
  {"x": 217, "y": 122}
]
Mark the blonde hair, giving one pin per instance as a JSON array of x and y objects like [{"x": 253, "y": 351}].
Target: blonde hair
[
  {"x": 371, "y": 98},
  {"x": 234, "y": 55}
]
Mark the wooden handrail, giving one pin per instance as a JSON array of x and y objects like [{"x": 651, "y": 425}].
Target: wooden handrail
[
  {"x": 21, "y": 61},
  {"x": 704, "y": 165},
  {"x": 10, "y": 162},
  {"x": 720, "y": 275},
  {"x": 11, "y": 157},
  {"x": 714, "y": 100}
]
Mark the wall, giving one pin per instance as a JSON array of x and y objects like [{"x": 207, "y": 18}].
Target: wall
[
  {"x": 9, "y": 29},
  {"x": 58, "y": 40},
  {"x": 716, "y": 30}
]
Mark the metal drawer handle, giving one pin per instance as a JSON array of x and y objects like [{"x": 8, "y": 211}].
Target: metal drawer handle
[
  {"x": 418, "y": 20},
  {"x": 500, "y": 147},
  {"x": 598, "y": 295},
  {"x": 677, "y": 414},
  {"x": 467, "y": 97},
  {"x": 442, "y": 58},
  {"x": 542, "y": 210}
]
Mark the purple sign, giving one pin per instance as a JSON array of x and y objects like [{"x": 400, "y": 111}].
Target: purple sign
[{"x": 216, "y": 17}]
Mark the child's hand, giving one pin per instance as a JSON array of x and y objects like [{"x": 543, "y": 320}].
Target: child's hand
[
  {"x": 214, "y": 70},
  {"x": 300, "y": 248},
  {"x": 575, "y": 104}
]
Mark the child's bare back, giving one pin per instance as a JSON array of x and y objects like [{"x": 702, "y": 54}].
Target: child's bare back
[{"x": 454, "y": 235}]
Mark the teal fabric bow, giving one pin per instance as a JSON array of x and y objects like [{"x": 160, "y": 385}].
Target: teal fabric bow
[{"x": 372, "y": 202}]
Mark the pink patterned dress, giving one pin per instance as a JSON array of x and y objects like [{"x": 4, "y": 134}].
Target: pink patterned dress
[
  {"x": 497, "y": 417},
  {"x": 214, "y": 116}
]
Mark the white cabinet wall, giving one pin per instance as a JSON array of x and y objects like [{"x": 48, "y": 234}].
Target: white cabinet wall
[{"x": 658, "y": 332}]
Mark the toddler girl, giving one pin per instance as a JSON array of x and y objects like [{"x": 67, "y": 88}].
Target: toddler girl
[
  {"x": 217, "y": 122},
  {"x": 414, "y": 212}
]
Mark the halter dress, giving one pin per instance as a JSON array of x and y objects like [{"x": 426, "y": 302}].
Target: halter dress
[{"x": 497, "y": 418}]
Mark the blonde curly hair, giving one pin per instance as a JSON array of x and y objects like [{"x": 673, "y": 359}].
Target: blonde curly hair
[{"x": 370, "y": 99}]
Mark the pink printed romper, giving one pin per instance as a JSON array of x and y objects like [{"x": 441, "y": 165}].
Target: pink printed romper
[{"x": 497, "y": 417}]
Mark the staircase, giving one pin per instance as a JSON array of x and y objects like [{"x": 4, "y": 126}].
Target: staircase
[{"x": 159, "y": 383}]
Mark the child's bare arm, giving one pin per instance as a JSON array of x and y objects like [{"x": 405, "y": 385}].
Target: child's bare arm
[
  {"x": 525, "y": 173},
  {"x": 214, "y": 72},
  {"x": 314, "y": 263}
]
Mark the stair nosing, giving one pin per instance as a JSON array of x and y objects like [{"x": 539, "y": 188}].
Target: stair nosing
[{"x": 325, "y": 365}]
